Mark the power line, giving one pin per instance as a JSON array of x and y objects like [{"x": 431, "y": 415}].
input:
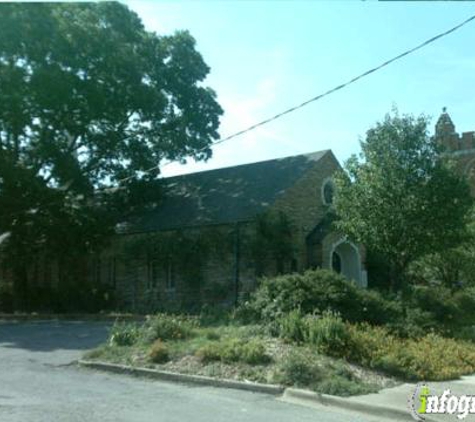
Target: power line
[
  {"x": 316, "y": 98},
  {"x": 305, "y": 103}
]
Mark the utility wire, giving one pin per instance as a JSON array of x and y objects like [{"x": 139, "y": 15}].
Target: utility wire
[
  {"x": 316, "y": 98},
  {"x": 305, "y": 103}
]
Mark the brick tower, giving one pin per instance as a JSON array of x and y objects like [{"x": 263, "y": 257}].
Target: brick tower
[{"x": 461, "y": 147}]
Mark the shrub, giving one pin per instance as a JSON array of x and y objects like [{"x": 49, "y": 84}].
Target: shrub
[
  {"x": 328, "y": 333},
  {"x": 299, "y": 370},
  {"x": 429, "y": 358},
  {"x": 214, "y": 315},
  {"x": 464, "y": 301},
  {"x": 254, "y": 353},
  {"x": 317, "y": 291},
  {"x": 291, "y": 327},
  {"x": 210, "y": 352},
  {"x": 417, "y": 323},
  {"x": 367, "y": 343},
  {"x": 436, "y": 300},
  {"x": 341, "y": 386},
  {"x": 376, "y": 309},
  {"x": 123, "y": 334},
  {"x": 159, "y": 352},
  {"x": 432, "y": 358},
  {"x": 246, "y": 313},
  {"x": 234, "y": 350},
  {"x": 169, "y": 327},
  {"x": 212, "y": 335}
]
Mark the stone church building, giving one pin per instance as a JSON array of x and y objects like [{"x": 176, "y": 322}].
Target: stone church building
[
  {"x": 461, "y": 147},
  {"x": 229, "y": 206},
  {"x": 215, "y": 233}
]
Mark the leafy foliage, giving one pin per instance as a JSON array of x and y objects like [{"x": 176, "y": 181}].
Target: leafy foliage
[
  {"x": 88, "y": 97},
  {"x": 272, "y": 242},
  {"x": 235, "y": 350},
  {"x": 159, "y": 352},
  {"x": 402, "y": 199},
  {"x": 453, "y": 268},
  {"x": 123, "y": 334},
  {"x": 299, "y": 370},
  {"x": 317, "y": 291},
  {"x": 428, "y": 358},
  {"x": 168, "y": 327},
  {"x": 292, "y": 327},
  {"x": 327, "y": 333}
]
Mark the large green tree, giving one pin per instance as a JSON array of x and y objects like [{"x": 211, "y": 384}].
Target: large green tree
[
  {"x": 88, "y": 98},
  {"x": 401, "y": 197}
]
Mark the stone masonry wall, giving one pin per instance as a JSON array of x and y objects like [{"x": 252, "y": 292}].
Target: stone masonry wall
[{"x": 303, "y": 203}]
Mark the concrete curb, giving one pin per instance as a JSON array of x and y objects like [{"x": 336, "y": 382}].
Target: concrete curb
[
  {"x": 295, "y": 395},
  {"x": 183, "y": 378},
  {"x": 291, "y": 395}
]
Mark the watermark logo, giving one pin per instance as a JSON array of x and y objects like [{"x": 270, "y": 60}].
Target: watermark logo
[{"x": 422, "y": 403}]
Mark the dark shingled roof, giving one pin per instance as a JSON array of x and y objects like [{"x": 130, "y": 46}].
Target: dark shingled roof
[{"x": 224, "y": 195}]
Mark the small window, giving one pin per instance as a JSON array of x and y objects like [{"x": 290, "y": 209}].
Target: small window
[
  {"x": 152, "y": 273},
  {"x": 328, "y": 192},
  {"x": 336, "y": 262},
  {"x": 170, "y": 276}
]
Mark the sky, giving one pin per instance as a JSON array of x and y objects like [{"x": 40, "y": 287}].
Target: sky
[{"x": 267, "y": 56}]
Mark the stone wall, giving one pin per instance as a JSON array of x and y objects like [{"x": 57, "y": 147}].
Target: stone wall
[
  {"x": 223, "y": 275},
  {"x": 303, "y": 203}
]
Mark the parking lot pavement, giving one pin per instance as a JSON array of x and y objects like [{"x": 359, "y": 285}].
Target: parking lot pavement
[{"x": 38, "y": 383}]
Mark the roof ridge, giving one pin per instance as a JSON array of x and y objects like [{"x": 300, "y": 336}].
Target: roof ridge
[{"x": 322, "y": 152}]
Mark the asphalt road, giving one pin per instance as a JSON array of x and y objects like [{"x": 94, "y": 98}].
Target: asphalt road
[{"x": 39, "y": 382}]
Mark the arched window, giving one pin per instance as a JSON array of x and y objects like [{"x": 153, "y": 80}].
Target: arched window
[
  {"x": 328, "y": 192},
  {"x": 336, "y": 262}
]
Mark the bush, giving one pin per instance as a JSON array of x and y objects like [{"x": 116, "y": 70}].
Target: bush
[
  {"x": 291, "y": 327},
  {"x": 341, "y": 386},
  {"x": 429, "y": 358},
  {"x": 432, "y": 358},
  {"x": 299, "y": 370},
  {"x": 367, "y": 343},
  {"x": 436, "y": 300},
  {"x": 214, "y": 315},
  {"x": 169, "y": 327},
  {"x": 317, "y": 291},
  {"x": 234, "y": 350},
  {"x": 464, "y": 301},
  {"x": 159, "y": 352},
  {"x": 328, "y": 333},
  {"x": 123, "y": 334},
  {"x": 246, "y": 313},
  {"x": 417, "y": 323},
  {"x": 212, "y": 335}
]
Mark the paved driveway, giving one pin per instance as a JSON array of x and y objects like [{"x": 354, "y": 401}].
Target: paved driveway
[{"x": 40, "y": 382}]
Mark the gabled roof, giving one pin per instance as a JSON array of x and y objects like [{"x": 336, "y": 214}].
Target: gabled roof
[{"x": 223, "y": 196}]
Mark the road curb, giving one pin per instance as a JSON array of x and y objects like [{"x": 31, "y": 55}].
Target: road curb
[
  {"x": 291, "y": 395},
  {"x": 294, "y": 395},
  {"x": 183, "y": 378}
]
